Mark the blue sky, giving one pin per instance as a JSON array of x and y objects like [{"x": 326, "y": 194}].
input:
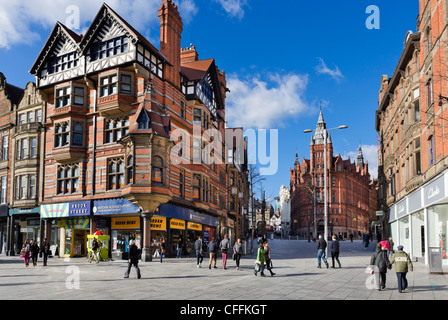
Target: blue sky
[{"x": 282, "y": 59}]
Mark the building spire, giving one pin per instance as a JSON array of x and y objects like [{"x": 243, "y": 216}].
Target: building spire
[{"x": 360, "y": 158}]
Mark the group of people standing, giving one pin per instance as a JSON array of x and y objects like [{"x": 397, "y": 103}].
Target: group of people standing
[
  {"x": 214, "y": 247},
  {"x": 30, "y": 250}
]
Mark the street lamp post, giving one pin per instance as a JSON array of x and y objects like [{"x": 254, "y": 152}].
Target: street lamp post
[{"x": 325, "y": 179}]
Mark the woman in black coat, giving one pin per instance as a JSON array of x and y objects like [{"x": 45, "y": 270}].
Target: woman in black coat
[
  {"x": 335, "y": 250},
  {"x": 133, "y": 259},
  {"x": 381, "y": 260}
]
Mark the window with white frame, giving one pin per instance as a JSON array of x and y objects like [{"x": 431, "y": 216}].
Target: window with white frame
[
  {"x": 25, "y": 187},
  {"x": 4, "y": 189},
  {"x": 5, "y": 147}
]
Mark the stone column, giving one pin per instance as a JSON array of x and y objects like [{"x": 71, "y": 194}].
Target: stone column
[{"x": 146, "y": 245}]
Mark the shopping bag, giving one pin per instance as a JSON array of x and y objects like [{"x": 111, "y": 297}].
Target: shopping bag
[{"x": 257, "y": 266}]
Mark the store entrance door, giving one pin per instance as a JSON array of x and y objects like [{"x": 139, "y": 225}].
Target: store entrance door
[{"x": 79, "y": 243}]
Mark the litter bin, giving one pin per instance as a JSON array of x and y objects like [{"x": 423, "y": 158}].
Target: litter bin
[{"x": 435, "y": 260}]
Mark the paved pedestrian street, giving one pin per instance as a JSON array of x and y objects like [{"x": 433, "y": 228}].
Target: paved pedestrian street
[{"x": 297, "y": 278}]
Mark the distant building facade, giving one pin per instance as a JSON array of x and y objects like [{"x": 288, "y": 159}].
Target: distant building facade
[{"x": 347, "y": 191}]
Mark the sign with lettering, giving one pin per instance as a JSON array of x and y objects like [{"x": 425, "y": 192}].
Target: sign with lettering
[
  {"x": 125, "y": 223},
  {"x": 434, "y": 191},
  {"x": 194, "y": 226},
  {"x": 79, "y": 208},
  {"x": 177, "y": 224},
  {"x": 114, "y": 206},
  {"x": 158, "y": 223}
]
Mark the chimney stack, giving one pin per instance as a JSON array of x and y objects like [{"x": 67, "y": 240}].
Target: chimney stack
[{"x": 171, "y": 27}]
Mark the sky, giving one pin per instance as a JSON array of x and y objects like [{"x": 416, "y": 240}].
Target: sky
[{"x": 284, "y": 60}]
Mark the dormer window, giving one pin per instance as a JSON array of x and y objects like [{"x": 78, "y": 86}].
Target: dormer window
[{"x": 143, "y": 121}]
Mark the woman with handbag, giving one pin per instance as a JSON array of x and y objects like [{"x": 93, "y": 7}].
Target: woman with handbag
[
  {"x": 237, "y": 253},
  {"x": 260, "y": 260},
  {"x": 26, "y": 251}
]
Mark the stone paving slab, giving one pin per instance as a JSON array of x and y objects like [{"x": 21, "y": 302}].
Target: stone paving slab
[{"x": 297, "y": 278}]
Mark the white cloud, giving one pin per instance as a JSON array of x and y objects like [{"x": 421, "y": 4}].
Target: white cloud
[
  {"x": 19, "y": 18},
  {"x": 335, "y": 73},
  {"x": 370, "y": 154},
  {"x": 234, "y": 8},
  {"x": 253, "y": 103}
]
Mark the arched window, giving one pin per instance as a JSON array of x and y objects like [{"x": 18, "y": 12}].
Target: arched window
[
  {"x": 157, "y": 169},
  {"x": 130, "y": 170},
  {"x": 143, "y": 121}
]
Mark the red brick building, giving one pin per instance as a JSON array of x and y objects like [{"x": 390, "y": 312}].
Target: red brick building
[
  {"x": 411, "y": 123},
  {"x": 115, "y": 106},
  {"x": 347, "y": 191}
]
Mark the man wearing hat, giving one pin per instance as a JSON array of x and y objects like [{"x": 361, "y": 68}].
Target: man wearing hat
[{"x": 402, "y": 264}]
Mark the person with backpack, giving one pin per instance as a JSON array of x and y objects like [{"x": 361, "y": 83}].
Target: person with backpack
[{"x": 224, "y": 246}]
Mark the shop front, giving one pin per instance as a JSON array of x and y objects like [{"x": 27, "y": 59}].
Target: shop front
[
  {"x": 176, "y": 234},
  {"x": 29, "y": 222},
  {"x": 188, "y": 225},
  {"x": 419, "y": 220},
  {"x": 124, "y": 220},
  {"x": 73, "y": 222}
]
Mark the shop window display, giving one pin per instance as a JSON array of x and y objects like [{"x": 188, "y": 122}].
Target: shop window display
[{"x": 437, "y": 225}]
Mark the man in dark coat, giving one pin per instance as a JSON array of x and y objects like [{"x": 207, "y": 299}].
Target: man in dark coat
[
  {"x": 321, "y": 246},
  {"x": 133, "y": 259}
]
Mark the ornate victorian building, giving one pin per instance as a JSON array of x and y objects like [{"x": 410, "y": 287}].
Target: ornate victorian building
[
  {"x": 347, "y": 191},
  {"x": 104, "y": 140}
]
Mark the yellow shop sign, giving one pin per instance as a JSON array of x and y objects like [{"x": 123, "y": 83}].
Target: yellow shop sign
[
  {"x": 126, "y": 223},
  {"x": 194, "y": 226},
  {"x": 177, "y": 224},
  {"x": 158, "y": 223}
]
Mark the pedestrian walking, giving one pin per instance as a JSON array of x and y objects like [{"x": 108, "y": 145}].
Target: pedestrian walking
[
  {"x": 365, "y": 240},
  {"x": 179, "y": 248},
  {"x": 45, "y": 249},
  {"x": 26, "y": 251},
  {"x": 335, "y": 250},
  {"x": 224, "y": 246},
  {"x": 381, "y": 260},
  {"x": 237, "y": 253},
  {"x": 403, "y": 264},
  {"x": 34, "y": 252},
  {"x": 162, "y": 249},
  {"x": 391, "y": 246},
  {"x": 260, "y": 259},
  {"x": 213, "y": 250},
  {"x": 133, "y": 259},
  {"x": 95, "y": 247},
  {"x": 267, "y": 257},
  {"x": 199, "y": 252},
  {"x": 321, "y": 246},
  {"x": 351, "y": 237}
]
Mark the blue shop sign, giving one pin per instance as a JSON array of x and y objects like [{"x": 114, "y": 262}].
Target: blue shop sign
[
  {"x": 169, "y": 210},
  {"x": 76, "y": 209},
  {"x": 25, "y": 210},
  {"x": 114, "y": 206}
]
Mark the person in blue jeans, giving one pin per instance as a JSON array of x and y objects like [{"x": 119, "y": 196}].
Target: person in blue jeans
[
  {"x": 179, "y": 248},
  {"x": 321, "y": 246},
  {"x": 162, "y": 249}
]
